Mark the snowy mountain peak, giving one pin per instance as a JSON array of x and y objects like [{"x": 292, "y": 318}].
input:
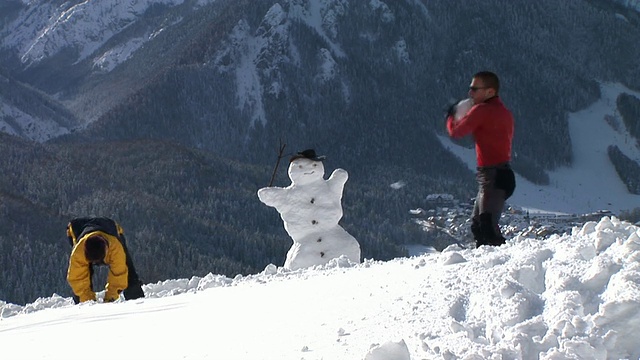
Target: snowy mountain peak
[
  {"x": 275, "y": 16},
  {"x": 257, "y": 58},
  {"x": 322, "y": 16},
  {"x": 43, "y": 30}
]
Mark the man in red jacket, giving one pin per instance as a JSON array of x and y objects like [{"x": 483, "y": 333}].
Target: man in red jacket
[{"x": 491, "y": 125}]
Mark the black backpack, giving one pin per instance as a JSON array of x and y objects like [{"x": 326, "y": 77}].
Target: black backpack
[{"x": 78, "y": 227}]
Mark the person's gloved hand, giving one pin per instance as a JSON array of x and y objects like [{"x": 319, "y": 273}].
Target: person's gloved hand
[
  {"x": 88, "y": 295},
  {"x": 452, "y": 109},
  {"x": 109, "y": 299}
]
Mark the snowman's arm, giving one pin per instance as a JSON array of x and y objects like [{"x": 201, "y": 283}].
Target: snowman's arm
[
  {"x": 337, "y": 180},
  {"x": 270, "y": 196}
]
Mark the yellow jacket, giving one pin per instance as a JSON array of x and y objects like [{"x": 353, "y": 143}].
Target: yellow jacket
[{"x": 78, "y": 274}]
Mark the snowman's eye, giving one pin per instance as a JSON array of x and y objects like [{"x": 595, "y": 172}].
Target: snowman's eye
[
  {"x": 314, "y": 165},
  {"x": 300, "y": 166}
]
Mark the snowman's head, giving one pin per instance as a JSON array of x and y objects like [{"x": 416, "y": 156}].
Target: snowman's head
[{"x": 304, "y": 171}]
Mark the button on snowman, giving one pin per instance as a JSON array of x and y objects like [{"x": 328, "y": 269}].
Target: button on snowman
[{"x": 310, "y": 208}]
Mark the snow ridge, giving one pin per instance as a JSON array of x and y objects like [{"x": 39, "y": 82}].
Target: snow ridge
[{"x": 570, "y": 296}]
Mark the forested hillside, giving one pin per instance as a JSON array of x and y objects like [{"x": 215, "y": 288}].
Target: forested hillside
[
  {"x": 185, "y": 212},
  {"x": 393, "y": 70}
]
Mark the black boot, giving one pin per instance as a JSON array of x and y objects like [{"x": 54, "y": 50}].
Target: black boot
[
  {"x": 477, "y": 232},
  {"x": 490, "y": 231},
  {"x": 134, "y": 289}
]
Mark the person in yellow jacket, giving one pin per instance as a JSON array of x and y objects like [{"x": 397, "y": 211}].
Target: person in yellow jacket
[{"x": 100, "y": 241}]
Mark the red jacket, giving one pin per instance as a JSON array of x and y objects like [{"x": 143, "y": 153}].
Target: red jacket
[{"x": 491, "y": 124}]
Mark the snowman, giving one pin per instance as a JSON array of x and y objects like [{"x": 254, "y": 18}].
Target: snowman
[{"x": 310, "y": 208}]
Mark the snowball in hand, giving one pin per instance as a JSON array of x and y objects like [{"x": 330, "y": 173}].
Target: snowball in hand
[{"x": 463, "y": 108}]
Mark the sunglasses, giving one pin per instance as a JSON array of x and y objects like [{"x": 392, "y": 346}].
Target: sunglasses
[{"x": 476, "y": 88}]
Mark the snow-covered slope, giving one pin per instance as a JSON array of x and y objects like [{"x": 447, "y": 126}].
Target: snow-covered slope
[
  {"x": 16, "y": 122},
  {"x": 42, "y": 30},
  {"x": 566, "y": 297}
]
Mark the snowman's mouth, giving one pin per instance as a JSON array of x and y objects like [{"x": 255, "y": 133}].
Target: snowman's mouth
[{"x": 309, "y": 173}]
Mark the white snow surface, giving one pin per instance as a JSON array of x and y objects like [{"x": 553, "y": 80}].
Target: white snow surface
[
  {"x": 573, "y": 296},
  {"x": 591, "y": 183}
]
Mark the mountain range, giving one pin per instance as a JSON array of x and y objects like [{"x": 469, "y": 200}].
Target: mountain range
[{"x": 168, "y": 116}]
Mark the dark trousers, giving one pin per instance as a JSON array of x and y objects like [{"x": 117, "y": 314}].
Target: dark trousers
[
  {"x": 495, "y": 185},
  {"x": 134, "y": 285}
]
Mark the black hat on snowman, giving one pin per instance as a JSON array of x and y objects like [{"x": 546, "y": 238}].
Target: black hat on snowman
[{"x": 307, "y": 154}]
